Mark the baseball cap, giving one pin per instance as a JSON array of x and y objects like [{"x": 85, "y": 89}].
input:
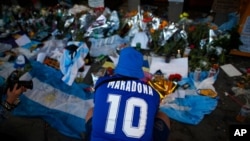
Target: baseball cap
[{"x": 20, "y": 61}]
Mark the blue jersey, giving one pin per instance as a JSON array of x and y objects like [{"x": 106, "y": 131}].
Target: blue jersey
[{"x": 124, "y": 110}]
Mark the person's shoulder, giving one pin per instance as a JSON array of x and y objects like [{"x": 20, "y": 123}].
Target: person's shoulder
[{"x": 104, "y": 79}]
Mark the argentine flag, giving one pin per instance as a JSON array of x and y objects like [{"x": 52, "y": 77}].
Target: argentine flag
[{"x": 63, "y": 107}]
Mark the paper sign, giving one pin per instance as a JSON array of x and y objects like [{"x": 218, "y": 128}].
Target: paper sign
[
  {"x": 175, "y": 66},
  {"x": 23, "y": 40},
  {"x": 230, "y": 70}
]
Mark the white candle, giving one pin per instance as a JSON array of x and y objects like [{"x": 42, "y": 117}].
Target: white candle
[{"x": 178, "y": 53}]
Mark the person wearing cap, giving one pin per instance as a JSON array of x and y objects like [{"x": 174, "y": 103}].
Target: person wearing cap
[{"x": 125, "y": 107}]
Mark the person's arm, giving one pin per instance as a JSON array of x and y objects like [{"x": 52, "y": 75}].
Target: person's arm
[
  {"x": 7, "y": 105},
  {"x": 4, "y": 113}
]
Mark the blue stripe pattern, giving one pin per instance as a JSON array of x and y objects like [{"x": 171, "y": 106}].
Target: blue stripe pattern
[{"x": 66, "y": 123}]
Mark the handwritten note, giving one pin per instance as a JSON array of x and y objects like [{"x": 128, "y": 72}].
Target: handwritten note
[{"x": 179, "y": 65}]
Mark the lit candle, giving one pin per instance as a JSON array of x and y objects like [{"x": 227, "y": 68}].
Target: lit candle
[{"x": 178, "y": 53}]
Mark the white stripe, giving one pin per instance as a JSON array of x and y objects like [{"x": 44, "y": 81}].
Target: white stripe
[{"x": 53, "y": 98}]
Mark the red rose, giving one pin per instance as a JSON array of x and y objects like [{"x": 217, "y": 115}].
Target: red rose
[
  {"x": 174, "y": 77},
  {"x": 192, "y": 46}
]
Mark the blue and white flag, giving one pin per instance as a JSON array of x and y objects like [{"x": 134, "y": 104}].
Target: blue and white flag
[{"x": 63, "y": 107}]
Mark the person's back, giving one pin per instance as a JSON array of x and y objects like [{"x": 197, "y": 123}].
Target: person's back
[{"x": 124, "y": 110}]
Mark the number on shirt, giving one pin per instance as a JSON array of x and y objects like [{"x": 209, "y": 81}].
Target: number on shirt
[{"x": 127, "y": 127}]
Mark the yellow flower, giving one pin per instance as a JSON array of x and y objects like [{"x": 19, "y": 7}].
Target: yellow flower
[{"x": 184, "y": 15}]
